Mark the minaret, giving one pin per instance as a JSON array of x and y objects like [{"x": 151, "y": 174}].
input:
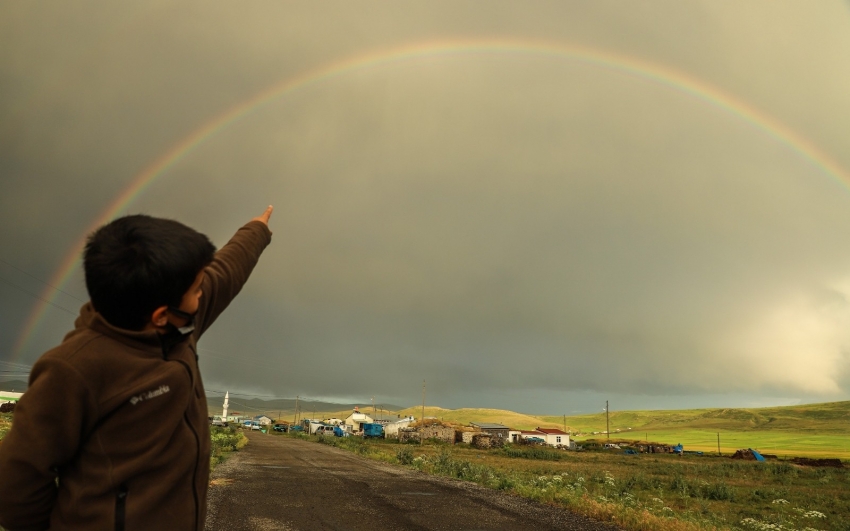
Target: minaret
[{"x": 226, "y": 403}]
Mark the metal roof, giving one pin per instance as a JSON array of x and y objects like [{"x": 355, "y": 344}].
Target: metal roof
[{"x": 489, "y": 426}]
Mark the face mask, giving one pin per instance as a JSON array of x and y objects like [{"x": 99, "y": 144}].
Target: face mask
[{"x": 189, "y": 317}]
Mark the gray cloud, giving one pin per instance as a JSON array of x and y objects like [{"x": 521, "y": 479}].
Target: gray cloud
[{"x": 510, "y": 227}]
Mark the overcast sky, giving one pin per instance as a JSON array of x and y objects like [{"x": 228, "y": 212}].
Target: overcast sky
[{"x": 522, "y": 230}]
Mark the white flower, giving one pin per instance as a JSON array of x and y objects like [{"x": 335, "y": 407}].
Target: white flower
[
  {"x": 814, "y": 514},
  {"x": 780, "y": 501}
]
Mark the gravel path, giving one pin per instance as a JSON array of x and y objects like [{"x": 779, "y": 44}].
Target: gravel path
[{"x": 279, "y": 483}]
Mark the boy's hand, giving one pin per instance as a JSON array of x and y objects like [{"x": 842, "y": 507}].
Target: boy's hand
[{"x": 264, "y": 217}]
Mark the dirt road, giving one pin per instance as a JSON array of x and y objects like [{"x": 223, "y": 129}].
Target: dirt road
[{"x": 279, "y": 483}]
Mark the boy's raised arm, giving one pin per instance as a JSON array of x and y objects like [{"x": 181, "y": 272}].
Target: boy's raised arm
[{"x": 231, "y": 268}]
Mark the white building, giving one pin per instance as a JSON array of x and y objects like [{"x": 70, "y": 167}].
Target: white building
[
  {"x": 357, "y": 419},
  {"x": 556, "y": 437},
  {"x": 391, "y": 428},
  {"x": 263, "y": 420}
]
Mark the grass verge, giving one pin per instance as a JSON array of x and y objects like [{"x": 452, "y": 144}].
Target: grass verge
[
  {"x": 223, "y": 441},
  {"x": 648, "y": 492}
]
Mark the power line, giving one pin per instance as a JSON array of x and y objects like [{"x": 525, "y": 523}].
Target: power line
[
  {"x": 66, "y": 310},
  {"x": 249, "y": 394},
  {"x": 42, "y": 281}
]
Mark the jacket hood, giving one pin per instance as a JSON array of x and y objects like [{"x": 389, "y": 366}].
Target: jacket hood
[{"x": 90, "y": 319}]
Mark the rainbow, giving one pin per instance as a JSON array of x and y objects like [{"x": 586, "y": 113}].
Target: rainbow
[{"x": 624, "y": 64}]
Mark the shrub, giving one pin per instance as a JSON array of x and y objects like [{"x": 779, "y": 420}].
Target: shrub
[
  {"x": 404, "y": 455},
  {"x": 224, "y": 441},
  {"x": 718, "y": 491},
  {"x": 532, "y": 452}
]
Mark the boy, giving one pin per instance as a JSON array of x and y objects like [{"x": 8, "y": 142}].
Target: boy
[{"x": 113, "y": 431}]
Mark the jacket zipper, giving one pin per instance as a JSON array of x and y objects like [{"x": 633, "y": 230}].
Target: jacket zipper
[
  {"x": 120, "y": 508},
  {"x": 197, "y": 453}
]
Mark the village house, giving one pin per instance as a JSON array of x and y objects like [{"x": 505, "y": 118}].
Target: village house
[
  {"x": 391, "y": 428},
  {"x": 529, "y": 434},
  {"x": 263, "y": 420},
  {"x": 556, "y": 437},
  {"x": 495, "y": 430},
  {"x": 356, "y": 420}
]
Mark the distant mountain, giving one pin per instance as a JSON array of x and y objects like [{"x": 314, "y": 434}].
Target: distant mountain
[
  {"x": 285, "y": 407},
  {"x": 15, "y": 386}
]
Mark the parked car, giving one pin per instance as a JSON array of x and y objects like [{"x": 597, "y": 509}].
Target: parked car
[
  {"x": 251, "y": 425},
  {"x": 279, "y": 427}
]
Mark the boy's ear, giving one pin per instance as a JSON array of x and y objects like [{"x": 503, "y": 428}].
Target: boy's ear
[{"x": 159, "y": 317}]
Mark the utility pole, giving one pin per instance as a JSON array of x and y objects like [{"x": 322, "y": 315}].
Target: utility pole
[
  {"x": 295, "y": 415},
  {"x": 373, "y": 406},
  {"x": 607, "y": 424},
  {"x": 422, "y": 428},
  {"x": 423, "y": 400},
  {"x": 565, "y": 423},
  {"x": 718, "y": 443}
]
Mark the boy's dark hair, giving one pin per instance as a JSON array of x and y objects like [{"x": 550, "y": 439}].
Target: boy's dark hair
[{"x": 138, "y": 263}]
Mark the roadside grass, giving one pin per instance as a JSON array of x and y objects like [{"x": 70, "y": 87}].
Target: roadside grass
[
  {"x": 223, "y": 441},
  {"x": 5, "y": 424},
  {"x": 648, "y": 492}
]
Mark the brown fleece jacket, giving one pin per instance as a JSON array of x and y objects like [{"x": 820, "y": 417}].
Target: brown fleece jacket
[{"x": 120, "y": 420}]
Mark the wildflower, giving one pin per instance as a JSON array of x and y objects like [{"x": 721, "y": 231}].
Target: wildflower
[
  {"x": 667, "y": 509},
  {"x": 780, "y": 501},
  {"x": 814, "y": 514}
]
